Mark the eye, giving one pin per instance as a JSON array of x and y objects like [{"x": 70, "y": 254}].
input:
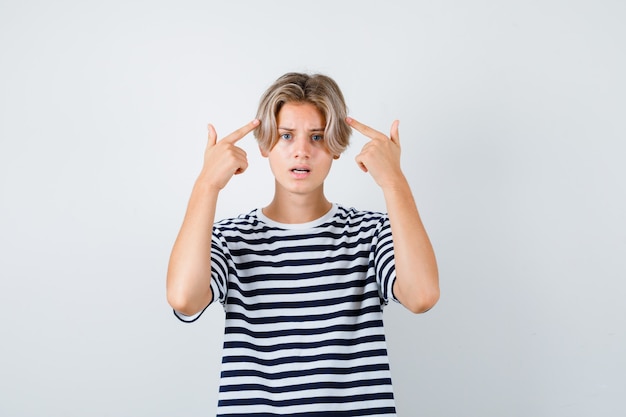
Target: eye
[
  {"x": 285, "y": 136},
  {"x": 317, "y": 138}
]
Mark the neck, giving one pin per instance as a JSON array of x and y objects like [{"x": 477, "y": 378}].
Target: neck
[{"x": 291, "y": 208}]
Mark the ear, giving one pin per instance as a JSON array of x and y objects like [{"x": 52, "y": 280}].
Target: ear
[{"x": 264, "y": 153}]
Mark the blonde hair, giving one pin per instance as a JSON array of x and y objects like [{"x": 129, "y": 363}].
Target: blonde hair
[{"x": 317, "y": 89}]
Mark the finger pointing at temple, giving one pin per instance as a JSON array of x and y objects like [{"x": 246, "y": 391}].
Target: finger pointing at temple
[{"x": 241, "y": 132}]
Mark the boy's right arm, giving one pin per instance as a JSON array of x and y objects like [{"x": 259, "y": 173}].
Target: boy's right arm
[{"x": 189, "y": 270}]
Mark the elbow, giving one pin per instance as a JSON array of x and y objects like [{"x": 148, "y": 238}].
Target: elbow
[
  {"x": 178, "y": 303},
  {"x": 417, "y": 299},
  {"x": 183, "y": 305},
  {"x": 186, "y": 301},
  {"x": 423, "y": 303}
]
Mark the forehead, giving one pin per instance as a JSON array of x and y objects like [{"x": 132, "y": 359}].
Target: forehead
[{"x": 295, "y": 113}]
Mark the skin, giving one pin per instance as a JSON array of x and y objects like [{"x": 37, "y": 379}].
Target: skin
[
  {"x": 417, "y": 277},
  {"x": 299, "y": 198},
  {"x": 189, "y": 270}
]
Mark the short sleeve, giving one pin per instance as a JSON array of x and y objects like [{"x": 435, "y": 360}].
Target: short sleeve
[
  {"x": 219, "y": 266},
  {"x": 219, "y": 275},
  {"x": 384, "y": 261}
]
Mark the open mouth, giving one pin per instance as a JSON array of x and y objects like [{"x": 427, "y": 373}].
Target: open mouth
[{"x": 300, "y": 170}]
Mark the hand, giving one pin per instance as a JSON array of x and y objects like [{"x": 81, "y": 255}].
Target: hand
[
  {"x": 223, "y": 159},
  {"x": 381, "y": 155}
]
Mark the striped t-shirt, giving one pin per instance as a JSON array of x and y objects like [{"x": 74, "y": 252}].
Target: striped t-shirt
[{"x": 304, "y": 332}]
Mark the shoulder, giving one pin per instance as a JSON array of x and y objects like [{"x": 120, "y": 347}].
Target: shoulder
[
  {"x": 353, "y": 215},
  {"x": 248, "y": 222},
  {"x": 363, "y": 220}
]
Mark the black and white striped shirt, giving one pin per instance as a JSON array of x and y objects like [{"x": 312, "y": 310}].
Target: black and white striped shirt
[{"x": 304, "y": 332}]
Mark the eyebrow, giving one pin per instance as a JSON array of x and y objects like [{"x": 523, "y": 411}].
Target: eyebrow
[{"x": 318, "y": 129}]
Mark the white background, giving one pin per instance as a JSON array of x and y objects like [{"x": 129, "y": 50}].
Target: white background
[{"x": 512, "y": 125}]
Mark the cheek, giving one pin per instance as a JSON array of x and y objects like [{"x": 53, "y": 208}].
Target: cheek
[
  {"x": 277, "y": 158},
  {"x": 273, "y": 166},
  {"x": 324, "y": 153},
  {"x": 281, "y": 148},
  {"x": 327, "y": 162}
]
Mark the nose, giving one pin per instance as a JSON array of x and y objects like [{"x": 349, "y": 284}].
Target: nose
[{"x": 302, "y": 148}]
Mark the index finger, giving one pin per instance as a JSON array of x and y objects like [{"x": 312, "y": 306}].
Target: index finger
[
  {"x": 364, "y": 129},
  {"x": 241, "y": 132}
]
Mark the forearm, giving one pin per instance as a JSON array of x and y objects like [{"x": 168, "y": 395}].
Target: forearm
[
  {"x": 189, "y": 270},
  {"x": 417, "y": 277}
]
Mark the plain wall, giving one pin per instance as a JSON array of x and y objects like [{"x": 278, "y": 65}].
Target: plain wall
[{"x": 512, "y": 126}]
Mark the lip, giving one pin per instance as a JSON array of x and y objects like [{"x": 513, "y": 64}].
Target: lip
[{"x": 300, "y": 171}]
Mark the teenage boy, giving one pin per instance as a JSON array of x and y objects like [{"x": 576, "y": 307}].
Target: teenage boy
[{"x": 303, "y": 281}]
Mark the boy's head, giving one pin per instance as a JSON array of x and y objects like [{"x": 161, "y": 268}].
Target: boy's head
[{"x": 317, "y": 89}]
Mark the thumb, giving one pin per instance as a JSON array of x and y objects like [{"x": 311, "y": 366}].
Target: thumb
[
  {"x": 212, "y": 135},
  {"x": 394, "y": 135}
]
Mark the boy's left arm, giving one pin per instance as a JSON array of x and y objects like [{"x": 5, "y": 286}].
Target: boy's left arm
[{"x": 417, "y": 277}]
